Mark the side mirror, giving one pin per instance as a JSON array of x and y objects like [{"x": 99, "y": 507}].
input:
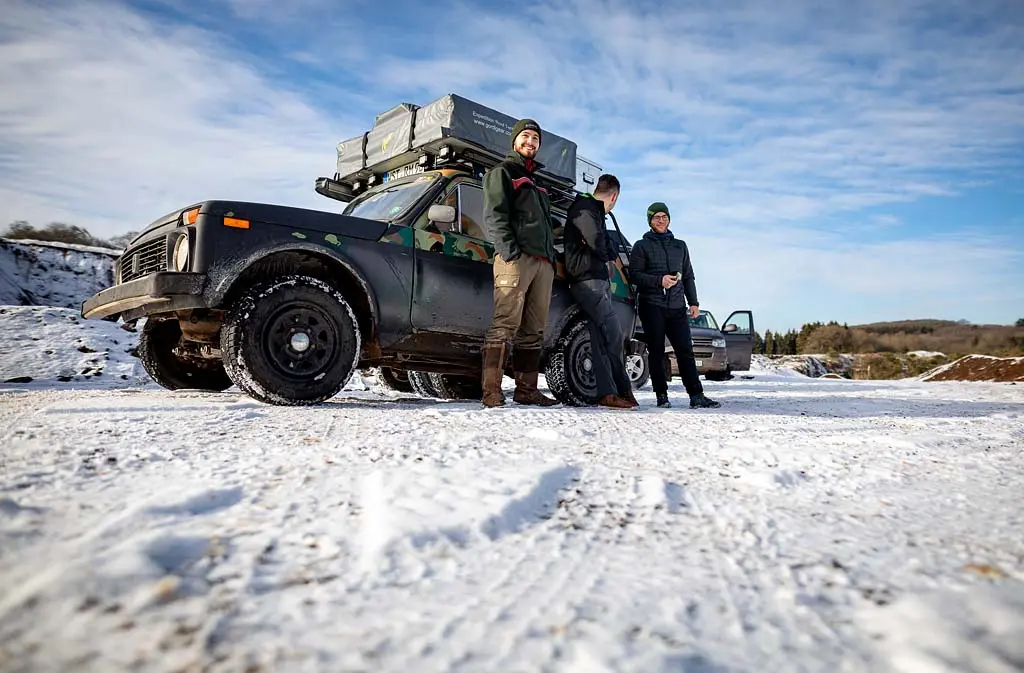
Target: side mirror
[
  {"x": 441, "y": 214},
  {"x": 731, "y": 327}
]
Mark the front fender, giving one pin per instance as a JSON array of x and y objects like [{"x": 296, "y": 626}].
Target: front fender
[{"x": 222, "y": 278}]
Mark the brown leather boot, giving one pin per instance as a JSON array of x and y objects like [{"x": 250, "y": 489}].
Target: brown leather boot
[
  {"x": 493, "y": 371},
  {"x": 526, "y": 363},
  {"x": 631, "y": 398},
  {"x": 614, "y": 402}
]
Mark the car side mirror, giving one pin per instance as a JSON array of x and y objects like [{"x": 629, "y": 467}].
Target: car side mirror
[
  {"x": 441, "y": 214},
  {"x": 730, "y": 328}
]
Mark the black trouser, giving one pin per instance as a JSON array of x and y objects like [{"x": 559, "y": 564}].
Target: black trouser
[
  {"x": 659, "y": 322},
  {"x": 606, "y": 343}
]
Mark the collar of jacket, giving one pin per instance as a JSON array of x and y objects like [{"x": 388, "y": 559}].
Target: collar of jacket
[
  {"x": 520, "y": 160},
  {"x": 652, "y": 235}
]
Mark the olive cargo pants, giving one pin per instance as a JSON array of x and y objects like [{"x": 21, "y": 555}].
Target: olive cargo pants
[{"x": 522, "y": 296}]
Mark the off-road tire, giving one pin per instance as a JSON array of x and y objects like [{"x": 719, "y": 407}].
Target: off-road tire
[
  {"x": 260, "y": 349},
  {"x": 457, "y": 387},
  {"x": 156, "y": 351},
  {"x": 641, "y": 373},
  {"x": 393, "y": 380},
  {"x": 422, "y": 384},
  {"x": 565, "y": 371}
]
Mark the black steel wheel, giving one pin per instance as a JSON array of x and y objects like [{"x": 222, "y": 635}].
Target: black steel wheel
[
  {"x": 165, "y": 364},
  {"x": 292, "y": 341},
  {"x": 569, "y": 369}
]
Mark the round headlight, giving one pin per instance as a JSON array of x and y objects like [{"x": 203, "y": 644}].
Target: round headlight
[{"x": 180, "y": 259}]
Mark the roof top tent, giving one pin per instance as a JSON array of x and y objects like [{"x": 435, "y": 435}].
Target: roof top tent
[
  {"x": 450, "y": 132},
  {"x": 587, "y": 173}
]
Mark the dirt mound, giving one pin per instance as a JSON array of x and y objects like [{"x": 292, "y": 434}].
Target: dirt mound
[{"x": 979, "y": 368}]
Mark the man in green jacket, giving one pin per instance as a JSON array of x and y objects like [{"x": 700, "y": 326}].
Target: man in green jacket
[{"x": 517, "y": 217}]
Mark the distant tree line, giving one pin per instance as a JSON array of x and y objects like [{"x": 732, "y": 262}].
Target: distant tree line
[
  {"x": 945, "y": 336},
  {"x": 60, "y": 232}
]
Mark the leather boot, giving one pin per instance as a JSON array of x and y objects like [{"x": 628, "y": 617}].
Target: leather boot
[
  {"x": 526, "y": 363},
  {"x": 614, "y": 402},
  {"x": 493, "y": 371},
  {"x": 630, "y": 397}
]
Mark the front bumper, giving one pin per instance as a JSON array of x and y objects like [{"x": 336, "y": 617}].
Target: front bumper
[
  {"x": 161, "y": 292},
  {"x": 718, "y": 362}
]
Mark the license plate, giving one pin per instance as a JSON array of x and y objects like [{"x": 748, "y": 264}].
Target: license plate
[
  {"x": 403, "y": 171},
  {"x": 699, "y": 363}
]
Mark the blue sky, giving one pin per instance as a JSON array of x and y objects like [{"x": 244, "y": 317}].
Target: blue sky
[{"x": 861, "y": 163}]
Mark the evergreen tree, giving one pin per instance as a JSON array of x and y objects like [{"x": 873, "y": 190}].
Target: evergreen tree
[{"x": 769, "y": 342}]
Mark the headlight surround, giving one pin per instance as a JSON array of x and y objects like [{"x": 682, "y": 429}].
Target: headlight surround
[
  {"x": 180, "y": 259},
  {"x": 718, "y": 342}
]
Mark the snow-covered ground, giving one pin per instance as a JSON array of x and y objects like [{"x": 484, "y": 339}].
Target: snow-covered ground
[{"x": 807, "y": 525}]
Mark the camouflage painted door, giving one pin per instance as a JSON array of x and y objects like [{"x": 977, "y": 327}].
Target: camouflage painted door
[{"x": 454, "y": 288}]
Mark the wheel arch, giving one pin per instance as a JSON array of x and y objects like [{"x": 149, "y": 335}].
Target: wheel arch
[{"x": 309, "y": 260}]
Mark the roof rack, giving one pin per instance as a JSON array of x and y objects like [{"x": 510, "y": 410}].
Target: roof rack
[{"x": 450, "y": 132}]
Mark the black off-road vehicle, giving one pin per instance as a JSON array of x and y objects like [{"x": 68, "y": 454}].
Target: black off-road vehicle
[{"x": 287, "y": 303}]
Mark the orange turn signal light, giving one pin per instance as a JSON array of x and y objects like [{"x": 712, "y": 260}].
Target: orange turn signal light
[
  {"x": 236, "y": 223},
  {"x": 191, "y": 216}
]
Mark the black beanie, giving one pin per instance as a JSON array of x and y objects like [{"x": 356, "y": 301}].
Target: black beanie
[
  {"x": 656, "y": 207},
  {"x": 522, "y": 125}
]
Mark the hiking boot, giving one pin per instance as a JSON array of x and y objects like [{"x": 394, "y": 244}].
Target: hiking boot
[
  {"x": 526, "y": 363},
  {"x": 527, "y": 392},
  {"x": 699, "y": 401},
  {"x": 614, "y": 402},
  {"x": 493, "y": 371},
  {"x": 662, "y": 399}
]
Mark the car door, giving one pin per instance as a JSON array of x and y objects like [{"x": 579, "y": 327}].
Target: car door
[
  {"x": 738, "y": 331},
  {"x": 454, "y": 288}
]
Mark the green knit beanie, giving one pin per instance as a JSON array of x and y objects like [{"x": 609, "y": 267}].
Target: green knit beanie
[
  {"x": 654, "y": 208},
  {"x": 522, "y": 125}
]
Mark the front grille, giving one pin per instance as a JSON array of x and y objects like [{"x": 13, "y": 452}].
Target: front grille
[
  {"x": 702, "y": 349},
  {"x": 143, "y": 259}
]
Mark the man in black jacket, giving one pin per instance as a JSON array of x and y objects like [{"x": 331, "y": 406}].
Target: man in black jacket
[
  {"x": 587, "y": 253},
  {"x": 517, "y": 217},
  {"x": 659, "y": 265}
]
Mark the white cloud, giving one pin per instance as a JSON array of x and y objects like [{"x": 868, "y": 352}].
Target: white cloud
[{"x": 109, "y": 121}]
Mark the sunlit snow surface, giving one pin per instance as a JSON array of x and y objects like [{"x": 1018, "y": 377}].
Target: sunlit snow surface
[{"x": 806, "y": 525}]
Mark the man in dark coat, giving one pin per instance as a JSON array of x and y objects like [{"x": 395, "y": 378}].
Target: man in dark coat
[
  {"x": 588, "y": 250},
  {"x": 659, "y": 265},
  {"x": 517, "y": 218}
]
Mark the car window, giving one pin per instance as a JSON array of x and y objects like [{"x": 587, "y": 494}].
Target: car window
[
  {"x": 390, "y": 201},
  {"x": 704, "y": 320},
  {"x": 471, "y": 211}
]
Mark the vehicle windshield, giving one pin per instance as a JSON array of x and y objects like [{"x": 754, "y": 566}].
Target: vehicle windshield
[
  {"x": 390, "y": 201},
  {"x": 705, "y": 320}
]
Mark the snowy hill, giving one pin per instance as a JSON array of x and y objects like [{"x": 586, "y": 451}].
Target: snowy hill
[{"x": 43, "y": 273}]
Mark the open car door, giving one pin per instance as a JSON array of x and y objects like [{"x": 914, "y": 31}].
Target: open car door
[{"x": 738, "y": 331}]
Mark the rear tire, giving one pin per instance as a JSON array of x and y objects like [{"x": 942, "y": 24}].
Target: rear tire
[
  {"x": 457, "y": 387},
  {"x": 421, "y": 384},
  {"x": 156, "y": 347},
  {"x": 569, "y": 369},
  {"x": 291, "y": 341},
  {"x": 394, "y": 380},
  {"x": 639, "y": 370}
]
